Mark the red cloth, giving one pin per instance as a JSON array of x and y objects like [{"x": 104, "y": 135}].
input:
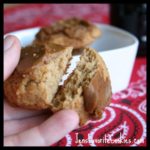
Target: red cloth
[
  {"x": 31, "y": 15},
  {"x": 123, "y": 122}
]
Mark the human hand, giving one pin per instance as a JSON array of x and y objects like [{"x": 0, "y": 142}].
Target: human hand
[{"x": 31, "y": 128}]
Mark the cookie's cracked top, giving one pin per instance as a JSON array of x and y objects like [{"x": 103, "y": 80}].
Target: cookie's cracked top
[
  {"x": 35, "y": 80},
  {"x": 70, "y": 32}
]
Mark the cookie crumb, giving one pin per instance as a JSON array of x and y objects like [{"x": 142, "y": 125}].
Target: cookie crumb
[{"x": 34, "y": 54}]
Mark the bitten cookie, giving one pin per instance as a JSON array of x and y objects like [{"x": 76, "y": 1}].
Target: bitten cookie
[
  {"x": 88, "y": 88},
  {"x": 73, "y": 32},
  {"x": 35, "y": 81}
]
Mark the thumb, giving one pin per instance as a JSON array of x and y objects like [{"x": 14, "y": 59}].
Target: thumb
[{"x": 12, "y": 48}]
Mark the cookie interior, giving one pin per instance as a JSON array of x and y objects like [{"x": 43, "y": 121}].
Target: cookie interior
[{"x": 71, "y": 94}]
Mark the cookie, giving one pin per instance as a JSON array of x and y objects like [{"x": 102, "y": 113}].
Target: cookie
[
  {"x": 87, "y": 90},
  {"x": 35, "y": 80},
  {"x": 74, "y": 32}
]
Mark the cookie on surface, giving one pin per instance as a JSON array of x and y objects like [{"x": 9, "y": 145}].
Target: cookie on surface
[
  {"x": 74, "y": 32},
  {"x": 35, "y": 80}
]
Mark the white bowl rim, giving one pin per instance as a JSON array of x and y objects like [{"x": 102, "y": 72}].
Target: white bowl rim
[{"x": 134, "y": 38}]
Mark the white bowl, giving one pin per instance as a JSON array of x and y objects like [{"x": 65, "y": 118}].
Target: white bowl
[{"x": 117, "y": 47}]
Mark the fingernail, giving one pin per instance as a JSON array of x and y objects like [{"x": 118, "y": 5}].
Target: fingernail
[{"x": 8, "y": 42}]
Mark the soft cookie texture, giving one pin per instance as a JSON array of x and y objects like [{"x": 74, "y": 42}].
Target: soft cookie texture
[
  {"x": 35, "y": 81},
  {"x": 88, "y": 88},
  {"x": 74, "y": 32}
]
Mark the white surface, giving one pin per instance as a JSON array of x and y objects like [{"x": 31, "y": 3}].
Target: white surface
[{"x": 117, "y": 47}]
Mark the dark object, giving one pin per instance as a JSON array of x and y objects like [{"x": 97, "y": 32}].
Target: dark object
[
  {"x": 126, "y": 101},
  {"x": 80, "y": 136},
  {"x": 131, "y": 17}
]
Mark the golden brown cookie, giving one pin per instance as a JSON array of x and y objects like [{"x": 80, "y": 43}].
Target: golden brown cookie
[
  {"x": 35, "y": 81},
  {"x": 73, "y": 32},
  {"x": 88, "y": 88}
]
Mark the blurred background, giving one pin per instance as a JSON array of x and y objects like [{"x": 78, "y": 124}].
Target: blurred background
[{"x": 131, "y": 17}]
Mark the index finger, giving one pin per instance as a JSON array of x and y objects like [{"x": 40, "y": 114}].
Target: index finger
[{"x": 49, "y": 132}]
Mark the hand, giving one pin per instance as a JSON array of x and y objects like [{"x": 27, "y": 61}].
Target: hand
[{"x": 31, "y": 128}]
